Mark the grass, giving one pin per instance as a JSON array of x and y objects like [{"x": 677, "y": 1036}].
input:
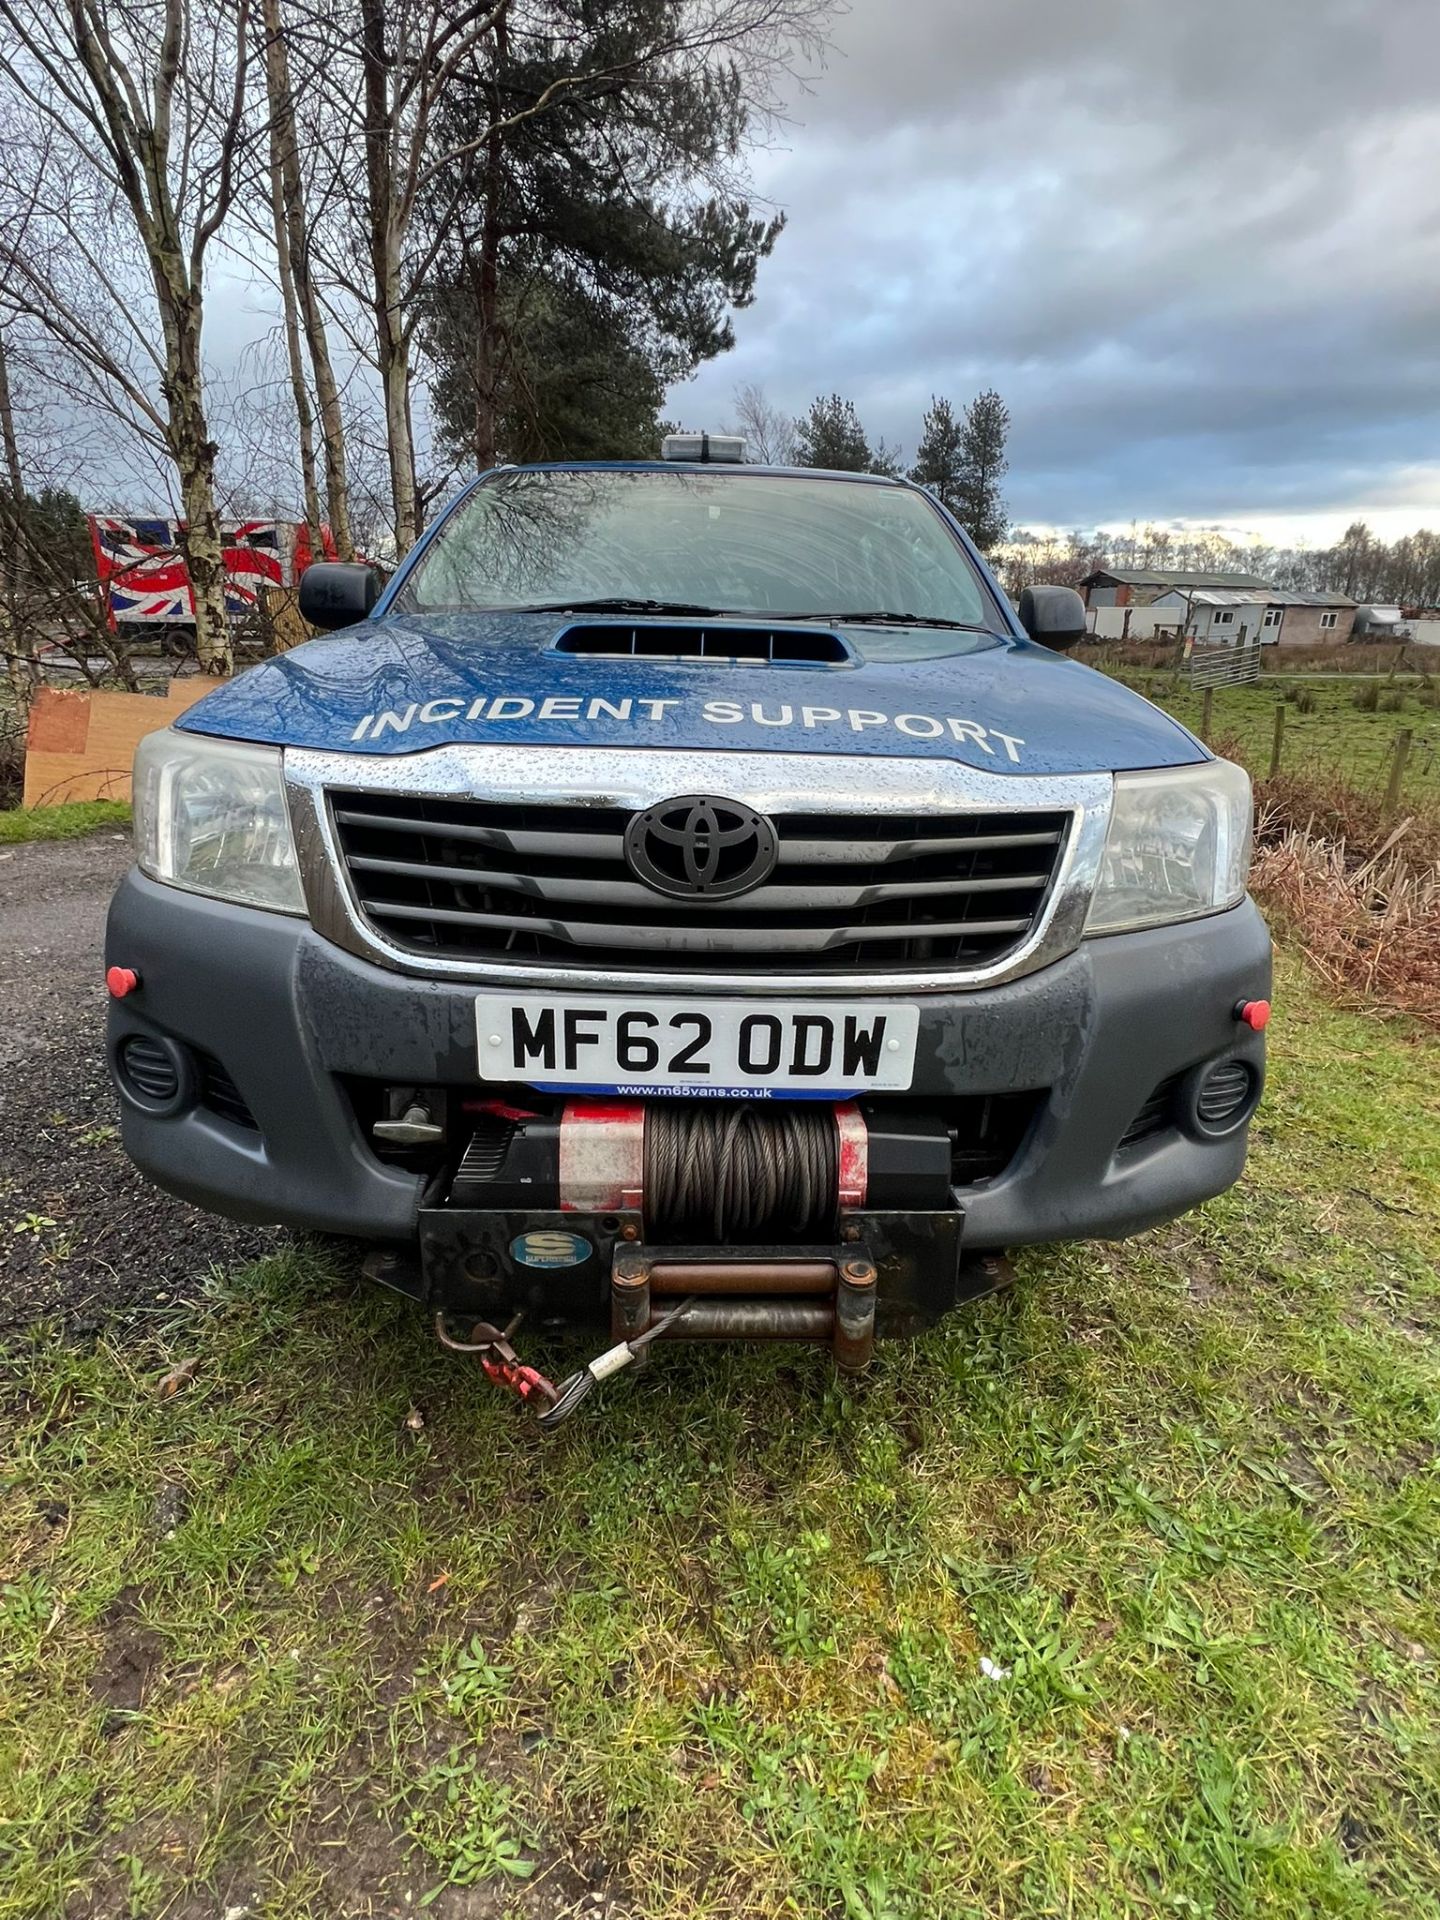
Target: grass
[
  {"x": 68, "y": 822},
  {"x": 1337, "y": 741},
  {"x": 1117, "y": 1597}
]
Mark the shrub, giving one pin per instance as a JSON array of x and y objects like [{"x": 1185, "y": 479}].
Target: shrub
[
  {"x": 1367, "y": 698},
  {"x": 1372, "y": 932},
  {"x": 1346, "y": 656},
  {"x": 12, "y": 758},
  {"x": 1359, "y": 895},
  {"x": 1392, "y": 702},
  {"x": 1325, "y": 805}
]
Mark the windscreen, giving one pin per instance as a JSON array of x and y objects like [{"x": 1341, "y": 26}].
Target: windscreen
[{"x": 727, "y": 541}]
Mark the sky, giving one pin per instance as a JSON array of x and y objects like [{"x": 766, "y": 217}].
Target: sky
[{"x": 1194, "y": 244}]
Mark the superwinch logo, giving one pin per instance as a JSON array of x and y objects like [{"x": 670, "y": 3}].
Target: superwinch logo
[{"x": 631, "y": 712}]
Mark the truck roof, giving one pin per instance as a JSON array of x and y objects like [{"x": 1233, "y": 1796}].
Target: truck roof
[{"x": 698, "y": 466}]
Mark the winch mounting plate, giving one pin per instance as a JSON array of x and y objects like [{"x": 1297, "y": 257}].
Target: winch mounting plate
[{"x": 557, "y": 1266}]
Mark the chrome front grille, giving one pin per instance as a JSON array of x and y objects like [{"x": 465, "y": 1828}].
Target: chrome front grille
[{"x": 547, "y": 884}]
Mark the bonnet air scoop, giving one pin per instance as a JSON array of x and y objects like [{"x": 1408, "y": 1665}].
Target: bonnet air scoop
[{"x": 727, "y": 644}]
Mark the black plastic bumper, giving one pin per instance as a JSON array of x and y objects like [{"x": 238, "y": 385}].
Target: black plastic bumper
[{"x": 288, "y": 1016}]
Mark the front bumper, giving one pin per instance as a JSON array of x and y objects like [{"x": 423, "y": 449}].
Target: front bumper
[{"x": 291, "y": 1019}]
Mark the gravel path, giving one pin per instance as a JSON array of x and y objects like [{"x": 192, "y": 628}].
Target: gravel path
[{"x": 82, "y": 1235}]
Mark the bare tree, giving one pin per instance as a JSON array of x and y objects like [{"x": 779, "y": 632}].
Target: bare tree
[
  {"x": 15, "y": 640},
  {"x": 50, "y": 600},
  {"x": 14, "y": 478},
  {"x": 769, "y": 430},
  {"x": 281, "y": 117},
  {"x": 143, "y": 133},
  {"x": 409, "y": 52},
  {"x": 421, "y": 170},
  {"x": 69, "y": 299},
  {"x": 151, "y": 98},
  {"x": 295, "y": 270}
]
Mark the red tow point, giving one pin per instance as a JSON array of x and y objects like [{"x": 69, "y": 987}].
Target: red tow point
[
  {"x": 120, "y": 981},
  {"x": 1254, "y": 1013}
]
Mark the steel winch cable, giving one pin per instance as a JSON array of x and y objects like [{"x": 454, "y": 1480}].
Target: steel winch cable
[
  {"x": 740, "y": 1171},
  {"x": 570, "y": 1393}
]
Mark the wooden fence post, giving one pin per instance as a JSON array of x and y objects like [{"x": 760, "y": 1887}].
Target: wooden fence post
[
  {"x": 1207, "y": 713},
  {"x": 1399, "y": 754},
  {"x": 1277, "y": 745}
]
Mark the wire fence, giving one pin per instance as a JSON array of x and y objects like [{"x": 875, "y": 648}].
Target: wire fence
[{"x": 1379, "y": 739}]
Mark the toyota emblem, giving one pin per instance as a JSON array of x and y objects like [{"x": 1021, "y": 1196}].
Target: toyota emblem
[{"x": 700, "y": 846}]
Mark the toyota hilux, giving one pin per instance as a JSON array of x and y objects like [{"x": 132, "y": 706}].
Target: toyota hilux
[{"x": 689, "y": 900}]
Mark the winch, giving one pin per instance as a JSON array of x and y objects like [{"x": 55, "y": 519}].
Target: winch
[
  {"x": 713, "y": 1171},
  {"x": 769, "y": 1220}
]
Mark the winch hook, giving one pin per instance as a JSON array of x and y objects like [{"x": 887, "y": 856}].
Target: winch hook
[
  {"x": 500, "y": 1361},
  {"x": 552, "y": 1404}
]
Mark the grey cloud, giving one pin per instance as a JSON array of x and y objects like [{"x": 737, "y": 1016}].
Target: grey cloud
[{"x": 1196, "y": 247}]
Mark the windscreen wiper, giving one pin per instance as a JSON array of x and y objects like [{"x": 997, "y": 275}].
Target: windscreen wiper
[
  {"x": 621, "y": 606},
  {"x": 882, "y": 618}
]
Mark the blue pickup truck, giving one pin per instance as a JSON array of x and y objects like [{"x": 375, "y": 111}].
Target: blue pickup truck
[{"x": 688, "y": 899}]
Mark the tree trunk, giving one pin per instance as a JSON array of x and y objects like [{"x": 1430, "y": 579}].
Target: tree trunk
[
  {"x": 327, "y": 392},
  {"x": 194, "y": 453},
  {"x": 14, "y": 478},
  {"x": 488, "y": 343},
  {"x": 392, "y": 347},
  {"x": 204, "y": 551},
  {"x": 485, "y": 430},
  {"x": 16, "y": 637},
  {"x": 327, "y": 395},
  {"x": 393, "y": 350},
  {"x": 304, "y": 413}
]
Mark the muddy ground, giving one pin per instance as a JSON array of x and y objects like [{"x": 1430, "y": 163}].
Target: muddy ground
[{"x": 82, "y": 1234}]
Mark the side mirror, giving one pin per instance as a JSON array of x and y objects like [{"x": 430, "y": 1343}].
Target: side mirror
[
  {"x": 1055, "y": 616},
  {"x": 337, "y": 593}
]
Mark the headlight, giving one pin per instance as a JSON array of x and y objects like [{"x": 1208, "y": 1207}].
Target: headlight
[
  {"x": 210, "y": 815},
  {"x": 1179, "y": 846}
]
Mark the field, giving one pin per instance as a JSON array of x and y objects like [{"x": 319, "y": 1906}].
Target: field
[
  {"x": 1335, "y": 742},
  {"x": 1118, "y": 1596}
]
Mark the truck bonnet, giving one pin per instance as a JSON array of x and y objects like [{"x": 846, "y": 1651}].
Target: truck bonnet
[{"x": 402, "y": 684}]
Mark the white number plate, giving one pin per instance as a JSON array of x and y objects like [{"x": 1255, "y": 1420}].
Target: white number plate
[{"x": 753, "y": 1048}]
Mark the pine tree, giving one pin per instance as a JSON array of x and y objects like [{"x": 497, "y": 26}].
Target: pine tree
[
  {"x": 978, "y": 504},
  {"x": 599, "y": 246},
  {"x": 570, "y": 382},
  {"x": 830, "y": 435},
  {"x": 938, "y": 459}
]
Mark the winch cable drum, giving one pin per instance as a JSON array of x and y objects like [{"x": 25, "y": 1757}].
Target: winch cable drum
[{"x": 741, "y": 1172}]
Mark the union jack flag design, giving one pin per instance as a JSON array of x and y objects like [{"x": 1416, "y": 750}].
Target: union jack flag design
[{"x": 141, "y": 564}]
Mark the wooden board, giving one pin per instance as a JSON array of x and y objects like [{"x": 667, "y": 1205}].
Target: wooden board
[
  {"x": 287, "y": 628},
  {"x": 80, "y": 744}
]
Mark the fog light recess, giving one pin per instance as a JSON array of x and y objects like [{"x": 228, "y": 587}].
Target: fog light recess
[
  {"x": 153, "y": 1073},
  {"x": 1225, "y": 1096}
]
